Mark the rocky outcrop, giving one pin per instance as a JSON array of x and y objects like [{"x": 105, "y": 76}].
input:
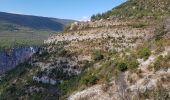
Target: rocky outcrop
[
  {"x": 10, "y": 59},
  {"x": 122, "y": 89}
]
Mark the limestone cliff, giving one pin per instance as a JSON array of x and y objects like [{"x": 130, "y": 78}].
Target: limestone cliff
[{"x": 11, "y": 58}]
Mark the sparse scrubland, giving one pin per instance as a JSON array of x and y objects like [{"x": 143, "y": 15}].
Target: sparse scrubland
[{"x": 124, "y": 56}]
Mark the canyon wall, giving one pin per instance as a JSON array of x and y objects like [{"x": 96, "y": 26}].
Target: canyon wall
[{"x": 9, "y": 59}]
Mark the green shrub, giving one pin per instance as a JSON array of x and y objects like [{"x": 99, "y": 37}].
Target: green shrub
[
  {"x": 133, "y": 64},
  {"x": 97, "y": 55},
  {"x": 91, "y": 80},
  {"x": 127, "y": 63},
  {"x": 96, "y": 17},
  {"x": 160, "y": 32},
  {"x": 122, "y": 66},
  {"x": 144, "y": 53},
  {"x": 158, "y": 63},
  {"x": 161, "y": 62},
  {"x": 137, "y": 25}
]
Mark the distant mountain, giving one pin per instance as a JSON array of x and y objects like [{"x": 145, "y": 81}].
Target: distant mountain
[
  {"x": 16, "y": 29},
  {"x": 34, "y": 22}
]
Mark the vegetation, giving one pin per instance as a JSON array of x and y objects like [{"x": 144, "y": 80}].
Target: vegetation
[
  {"x": 159, "y": 32},
  {"x": 97, "y": 55},
  {"x": 91, "y": 80},
  {"x": 128, "y": 63},
  {"x": 122, "y": 66},
  {"x": 144, "y": 53},
  {"x": 137, "y": 25},
  {"x": 16, "y": 85},
  {"x": 160, "y": 93},
  {"x": 133, "y": 64},
  {"x": 105, "y": 66},
  {"x": 162, "y": 63},
  {"x": 8, "y": 40},
  {"x": 136, "y": 8},
  {"x": 33, "y": 22},
  {"x": 7, "y": 84},
  {"x": 32, "y": 31}
]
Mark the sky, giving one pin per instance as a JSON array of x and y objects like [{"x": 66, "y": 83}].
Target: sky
[{"x": 65, "y": 9}]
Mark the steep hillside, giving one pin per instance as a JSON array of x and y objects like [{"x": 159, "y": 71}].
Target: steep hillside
[
  {"x": 18, "y": 29},
  {"x": 107, "y": 59},
  {"x": 137, "y": 8}
]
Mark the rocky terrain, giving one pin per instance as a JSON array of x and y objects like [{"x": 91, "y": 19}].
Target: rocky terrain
[
  {"x": 121, "y": 37},
  {"x": 12, "y": 58},
  {"x": 123, "y": 58}
]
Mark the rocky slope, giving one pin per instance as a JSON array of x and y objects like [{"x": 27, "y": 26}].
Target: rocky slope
[
  {"x": 107, "y": 36},
  {"x": 107, "y": 59},
  {"x": 137, "y": 8}
]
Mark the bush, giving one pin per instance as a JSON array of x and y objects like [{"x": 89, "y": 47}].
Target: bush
[
  {"x": 96, "y": 17},
  {"x": 160, "y": 32},
  {"x": 161, "y": 62},
  {"x": 11, "y": 89},
  {"x": 133, "y": 64},
  {"x": 158, "y": 63},
  {"x": 144, "y": 53},
  {"x": 127, "y": 63},
  {"x": 90, "y": 80},
  {"x": 121, "y": 66},
  {"x": 97, "y": 55}
]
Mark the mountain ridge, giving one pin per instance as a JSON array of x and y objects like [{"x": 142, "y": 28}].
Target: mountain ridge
[{"x": 36, "y": 22}]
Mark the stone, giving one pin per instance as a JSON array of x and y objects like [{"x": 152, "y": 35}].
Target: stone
[{"x": 10, "y": 59}]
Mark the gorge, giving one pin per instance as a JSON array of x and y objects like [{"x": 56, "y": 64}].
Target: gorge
[{"x": 9, "y": 59}]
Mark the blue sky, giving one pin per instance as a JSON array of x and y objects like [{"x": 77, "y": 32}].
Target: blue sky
[{"x": 68, "y": 9}]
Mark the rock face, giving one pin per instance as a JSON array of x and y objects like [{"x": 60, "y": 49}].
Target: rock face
[{"x": 10, "y": 59}]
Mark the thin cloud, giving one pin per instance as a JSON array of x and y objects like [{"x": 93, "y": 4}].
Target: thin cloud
[{"x": 85, "y": 18}]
